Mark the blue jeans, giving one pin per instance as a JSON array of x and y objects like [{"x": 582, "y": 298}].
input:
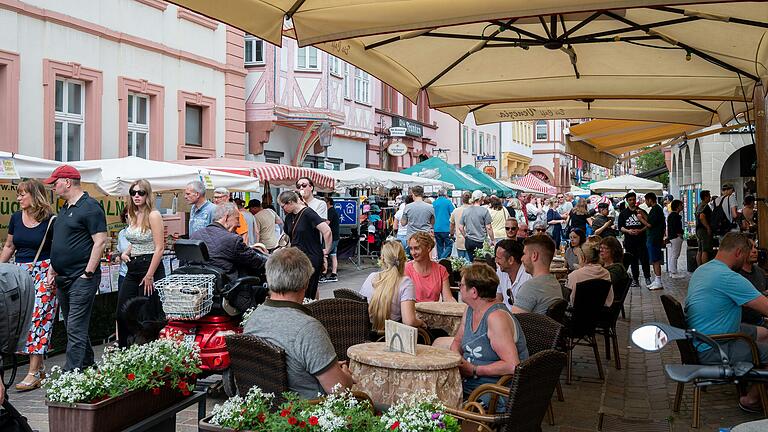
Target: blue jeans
[
  {"x": 444, "y": 244},
  {"x": 464, "y": 254},
  {"x": 76, "y": 302}
]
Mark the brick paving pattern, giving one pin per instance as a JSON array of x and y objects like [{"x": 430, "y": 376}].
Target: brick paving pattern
[{"x": 636, "y": 398}]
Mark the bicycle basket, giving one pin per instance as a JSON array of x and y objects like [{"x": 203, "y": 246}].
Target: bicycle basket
[{"x": 186, "y": 296}]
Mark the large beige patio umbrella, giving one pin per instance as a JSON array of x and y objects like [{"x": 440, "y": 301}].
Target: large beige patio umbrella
[
  {"x": 326, "y": 20},
  {"x": 705, "y": 52}
]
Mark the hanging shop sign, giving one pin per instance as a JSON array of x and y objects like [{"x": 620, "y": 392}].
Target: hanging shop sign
[
  {"x": 490, "y": 170},
  {"x": 412, "y": 128},
  {"x": 397, "y": 149},
  {"x": 396, "y": 131},
  {"x": 486, "y": 157}
]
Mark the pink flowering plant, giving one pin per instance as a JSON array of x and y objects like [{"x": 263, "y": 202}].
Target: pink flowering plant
[{"x": 170, "y": 363}]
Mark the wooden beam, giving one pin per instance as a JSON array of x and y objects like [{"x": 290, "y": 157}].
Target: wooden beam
[{"x": 761, "y": 141}]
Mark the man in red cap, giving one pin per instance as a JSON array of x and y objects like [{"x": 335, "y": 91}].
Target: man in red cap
[{"x": 79, "y": 238}]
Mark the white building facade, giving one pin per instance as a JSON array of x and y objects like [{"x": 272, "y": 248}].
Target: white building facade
[{"x": 90, "y": 80}]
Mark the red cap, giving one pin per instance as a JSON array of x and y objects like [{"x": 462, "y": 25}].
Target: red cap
[{"x": 64, "y": 171}]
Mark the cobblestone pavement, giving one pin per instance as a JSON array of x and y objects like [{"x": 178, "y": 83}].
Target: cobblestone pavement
[{"x": 636, "y": 398}]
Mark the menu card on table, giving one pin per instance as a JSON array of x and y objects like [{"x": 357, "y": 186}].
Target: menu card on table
[{"x": 400, "y": 337}]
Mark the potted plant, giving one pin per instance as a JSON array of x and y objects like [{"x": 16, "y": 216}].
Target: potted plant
[
  {"x": 128, "y": 385},
  {"x": 457, "y": 263},
  {"x": 418, "y": 412},
  {"x": 486, "y": 254}
]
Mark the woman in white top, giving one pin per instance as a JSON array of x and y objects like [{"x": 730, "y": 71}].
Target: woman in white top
[
  {"x": 400, "y": 229},
  {"x": 144, "y": 258},
  {"x": 390, "y": 292}
]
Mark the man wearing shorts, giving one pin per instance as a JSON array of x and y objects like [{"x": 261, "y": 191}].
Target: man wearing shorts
[
  {"x": 716, "y": 294},
  {"x": 654, "y": 237}
]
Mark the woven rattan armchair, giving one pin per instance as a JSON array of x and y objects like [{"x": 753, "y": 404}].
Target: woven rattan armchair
[
  {"x": 343, "y": 293},
  {"x": 528, "y": 396},
  {"x": 256, "y": 362},
  {"x": 688, "y": 355},
  {"x": 346, "y": 321}
]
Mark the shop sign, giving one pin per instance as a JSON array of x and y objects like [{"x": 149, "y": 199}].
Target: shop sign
[
  {"x": 397, "y": 149},
  {"x": 486, "y": 157},
  {"x": 490, "y": 170},
  {"x": 328, "y": 165},
  {"x": 8, "y": 169},
  {"x": 412, "y": 128},
  {"x": 442, "y": 156},
  {"x": 398, "y": 131}
]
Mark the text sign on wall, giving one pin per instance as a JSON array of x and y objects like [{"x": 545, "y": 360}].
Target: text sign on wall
[{"x": 347, "y": 209}]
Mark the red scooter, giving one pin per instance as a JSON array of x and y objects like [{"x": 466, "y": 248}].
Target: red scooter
[{"x": 205, "y": 307}]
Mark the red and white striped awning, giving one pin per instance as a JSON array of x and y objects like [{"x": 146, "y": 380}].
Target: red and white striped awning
[
  {"x": 530, "y": 181},
  {"x": 275, "y": 174}
]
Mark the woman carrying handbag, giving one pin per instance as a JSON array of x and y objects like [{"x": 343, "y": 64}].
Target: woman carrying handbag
[{"x": 29, "y": 238}]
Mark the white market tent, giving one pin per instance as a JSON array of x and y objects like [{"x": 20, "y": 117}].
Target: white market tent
[
  {"x": 116, "y": 175},
  {"x": 626, "y": 183},
  {"x": 18, "y": 166},
  {"x": 371, "y": 178}
]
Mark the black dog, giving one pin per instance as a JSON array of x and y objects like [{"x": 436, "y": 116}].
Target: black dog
[{"x": 142, "y": 318}]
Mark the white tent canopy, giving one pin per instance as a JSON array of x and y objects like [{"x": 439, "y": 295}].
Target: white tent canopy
[
  {"x": 116, "y": 175},
  {"x": 371, "y": 178},
  {"x": 626, "y": 183},
  {"x": 21, "y": 166}
]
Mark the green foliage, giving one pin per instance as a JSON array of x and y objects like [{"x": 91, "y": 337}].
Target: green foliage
[{"x": 653, "y": 160}]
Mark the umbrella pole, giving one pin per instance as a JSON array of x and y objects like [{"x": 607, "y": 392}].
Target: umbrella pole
[{"x": 761, "y": 148}]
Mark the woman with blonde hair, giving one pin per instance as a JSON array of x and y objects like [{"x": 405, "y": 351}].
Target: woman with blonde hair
[
  {"x": 144, "y": 257},
  {"x": 590, "y": 269},
  {"x": 429, "y": 278},
  {"x": 579, "y": 216},
  {"x": 390, "y": 292},
  {"x": 499, "y": 216},
  {"x": 29, "y": 240}
]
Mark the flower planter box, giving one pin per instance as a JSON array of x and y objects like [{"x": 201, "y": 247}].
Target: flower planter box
[
  {"x": 113, "y": 414},
  {"x": 490, "y": 260},
  {"x": 203, "y": 425}
]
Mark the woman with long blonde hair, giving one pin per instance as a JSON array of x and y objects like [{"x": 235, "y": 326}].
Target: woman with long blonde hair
[
  {"x": 29, "y": 242},
  {"x": 390, "y": 292},
  {"x": 144, "y": 256}
]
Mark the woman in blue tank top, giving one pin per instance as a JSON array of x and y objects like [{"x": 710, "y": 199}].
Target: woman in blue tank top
[{"x": 492, "y": 343}]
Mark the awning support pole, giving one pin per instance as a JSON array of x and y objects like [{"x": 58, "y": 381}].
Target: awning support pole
[{"x": 761, "y": 148}]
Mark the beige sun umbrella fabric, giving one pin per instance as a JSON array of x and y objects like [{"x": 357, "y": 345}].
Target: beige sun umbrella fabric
[
  {"x": 511, "y": 63},
  {"x": 326, "y": 20}
]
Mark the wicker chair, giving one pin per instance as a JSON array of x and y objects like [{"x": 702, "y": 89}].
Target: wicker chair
[
  {"x": 606, "y": 324},
  {"x": 256, "y": 362},
  {"x": 688, "y": 355},
  {"x": 556, "y": 310},
  {"x": 580, "y": 326},
  {"x": 541, "y": 333},
  {"x": 348, "y": 294},
  {"x": 528, "y": 396},
  {"x": 346, "y": 321}
]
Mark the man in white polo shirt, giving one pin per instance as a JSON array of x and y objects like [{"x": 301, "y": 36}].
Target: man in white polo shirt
[{"x": 510, "y": 270}]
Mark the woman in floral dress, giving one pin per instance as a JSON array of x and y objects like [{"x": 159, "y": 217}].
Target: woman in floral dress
[{"x": 28, "y": 229}]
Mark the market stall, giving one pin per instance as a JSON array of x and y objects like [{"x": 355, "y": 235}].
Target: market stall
[
  {"x": 530, "y": 181},
  {"x": 366, "y": 178},
  {"x": 495, "y": 186},
  {"x": 438, "y": 169},
  {"x": 626, "y": 183}
]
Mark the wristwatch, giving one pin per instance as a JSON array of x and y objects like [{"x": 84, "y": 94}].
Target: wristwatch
[{"x": 88, "y": 274}]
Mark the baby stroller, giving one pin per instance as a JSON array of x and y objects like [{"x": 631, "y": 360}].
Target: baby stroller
[
  {"x": 202, "y": 304},
  {"x": 17, "y": 299}
]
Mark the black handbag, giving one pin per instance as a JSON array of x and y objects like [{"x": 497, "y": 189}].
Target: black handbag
[{"x": 11, "y": 419}]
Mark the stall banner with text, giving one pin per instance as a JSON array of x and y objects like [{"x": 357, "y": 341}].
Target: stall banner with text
[{"x": 113, "y": 206}]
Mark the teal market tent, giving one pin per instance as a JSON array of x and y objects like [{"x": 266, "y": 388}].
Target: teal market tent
[
  {"x": 496, "y": 187},
  {"x": 438, "y": 169}
]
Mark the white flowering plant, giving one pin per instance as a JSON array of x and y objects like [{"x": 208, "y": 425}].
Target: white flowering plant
[
  {"x": 245, "y": 413},
  {"x": 342, "y": 411},
  {"x": 458, "y": 263},
  {"x": 419, "y": 412},
  {"x": 169, "y": 363},
  {"x": 484, "y": 252}
]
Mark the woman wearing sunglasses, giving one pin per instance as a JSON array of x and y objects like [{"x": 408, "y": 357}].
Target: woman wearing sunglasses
[{"x": 144, "y": 257}]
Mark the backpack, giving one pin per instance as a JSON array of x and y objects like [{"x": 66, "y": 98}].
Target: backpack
[
  {"x": 17, "y": 298},
  {"x": 719, "y": 222}
]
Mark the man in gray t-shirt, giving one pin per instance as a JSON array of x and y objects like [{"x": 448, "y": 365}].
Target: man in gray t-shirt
[
  {"x": 285, "y": 322},
  {"x": 538, "y": 293},
  {"x": 418, "y": 215},
  {"x": 475, "y": 224}
]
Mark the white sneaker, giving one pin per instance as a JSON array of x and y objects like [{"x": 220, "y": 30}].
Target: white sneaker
[
  {"x": 655, "y": 285},
  {"x": 679, "y": 276}
]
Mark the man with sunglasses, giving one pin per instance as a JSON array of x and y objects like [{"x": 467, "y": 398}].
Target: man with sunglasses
[
  {"x": 510, "y": 270},
  {"x": 79, "y": 238},
  {"x": 306, "y": 189},
  {"x": 512, "y": 229}
]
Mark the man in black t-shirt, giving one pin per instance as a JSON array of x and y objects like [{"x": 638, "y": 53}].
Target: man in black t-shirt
[
  {"x": 79, "y": 238},
  {"x": 634, "y": 239},
  {"x": 602, "y": 224},
  {"x": 333, "y": 222},
  {"x": 304, "y": 227},
  {"x": 656, "y": 225}
]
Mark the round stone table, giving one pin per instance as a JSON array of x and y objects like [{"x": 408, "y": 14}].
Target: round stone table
[
  {"x": 560, "y": 271},
  {"x": 386, "y": 376},
  {"x": 441, "y": 315}
]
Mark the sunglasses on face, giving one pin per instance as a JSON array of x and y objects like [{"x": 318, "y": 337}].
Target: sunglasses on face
[
  {"x": 541, "y": 229},
  {"x": 510, "y": 228},
  {"x": 302, "y": 185},
  {"x": 134, "y": 192}
]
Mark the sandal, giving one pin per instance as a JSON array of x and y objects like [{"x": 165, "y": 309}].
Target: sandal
[
  {"x": 36, "y": 383},
  {"x": 752, "y": 409}
]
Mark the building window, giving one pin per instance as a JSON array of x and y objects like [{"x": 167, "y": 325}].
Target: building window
[
  {"x": 346, "y": 81},
  {"x": 362, "y": 86},
  {"x": 482, "y": 143},
  {"x": 273, "y": 156},
  {"x": 464, "y": 138},
  {"x": 541, "y": 130},
  {"x": 9, "y": 101},
  {"x": 307, "y": 58},
  {"x": 495, "y": 145},
  {"x": 254, "y": 51},
  {"x": 474, "y": 141},
  {"x": 193, "y": 127},
  {"x": 69, "y": 126},
  {"x": 334, "y": 65},
  {"x": 138, "y": 125}
]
